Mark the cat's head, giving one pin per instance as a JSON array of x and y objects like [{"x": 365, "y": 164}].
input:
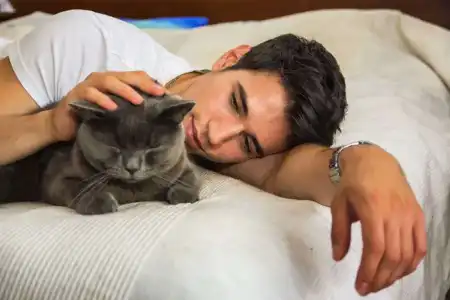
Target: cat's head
[{"x": 133, "y": 142}]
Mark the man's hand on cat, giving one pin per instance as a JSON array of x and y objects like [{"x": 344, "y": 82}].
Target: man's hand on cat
[
  {"x": 374, "y": 191},
  {"x": 93, "y": 89}
]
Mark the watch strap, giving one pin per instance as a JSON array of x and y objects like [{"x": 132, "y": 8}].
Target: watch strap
[{"x": 334, "y": 165}]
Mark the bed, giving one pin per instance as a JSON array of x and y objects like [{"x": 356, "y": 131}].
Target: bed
[{"x": 239, "y": 242}]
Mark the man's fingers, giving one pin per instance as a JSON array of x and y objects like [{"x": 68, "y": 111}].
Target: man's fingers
[
  {"x": 93, "y": 95},
  {"x": 391, "y": 259},
  {"x": 124, "y": 84},
  {"x": 407, "y": 246},
  {"x": 340, "y": 229},
  {"x": 143, "y": 81},
  {"x": 373, "y": 250},
  {"x": 112, "y": 84},
  {"x": 420, "y": 244}
]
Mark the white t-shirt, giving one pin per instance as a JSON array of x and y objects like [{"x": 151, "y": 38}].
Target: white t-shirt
[{"x": 54, "y": 58}]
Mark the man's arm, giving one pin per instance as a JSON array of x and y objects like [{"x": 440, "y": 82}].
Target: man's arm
[
  {"x": 14, "y": 99},
  {"x": 21, "y": 133},
  {"x": 372, "y": 190},
  {"x": 301, "y": 173},
  {"x": 38, "y": 73},
  {"x": 21, "y": 136}
]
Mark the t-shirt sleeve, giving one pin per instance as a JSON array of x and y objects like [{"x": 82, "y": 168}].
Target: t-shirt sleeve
[
  {"x": 53, "y": 58},
  {"x": 131, "y": 48}
]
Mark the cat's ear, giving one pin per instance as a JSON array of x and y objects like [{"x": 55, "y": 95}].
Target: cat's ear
[
  {"x": 87, "y": 110},
  {"x": 175, "y": 110}
]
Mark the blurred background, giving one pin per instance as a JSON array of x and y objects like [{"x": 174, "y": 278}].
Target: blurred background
[{"x": 435, "y": 11}]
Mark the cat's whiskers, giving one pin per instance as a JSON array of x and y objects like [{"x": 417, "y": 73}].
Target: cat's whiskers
[
  {"x": 99, "y": 186},
  {"x": 184, "y": 183},
  {"x": 114, "y": 171},
  {"x": 89, "y": 187},
  {"x": 96, "y": 175},
  {"x": 176, "y": 181},
  {"x": 156, "y": 176}
]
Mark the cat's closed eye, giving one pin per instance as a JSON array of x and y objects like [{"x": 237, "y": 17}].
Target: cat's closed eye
[{"x": 151, "y": 155}]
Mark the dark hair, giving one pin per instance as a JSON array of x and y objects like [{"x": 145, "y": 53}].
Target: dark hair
[{"x": 313, "y": 82}]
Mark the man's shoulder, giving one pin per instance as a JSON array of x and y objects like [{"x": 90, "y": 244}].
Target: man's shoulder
[
  {"x": 94, "y": 25},
  {"x": 115, "y": 45}
]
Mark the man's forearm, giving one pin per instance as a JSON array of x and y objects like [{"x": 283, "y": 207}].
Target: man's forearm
[
  {"x": 304, "y": 175},
  {"x": 304, "y": 172},
  {"x": 21, "y": 136}
]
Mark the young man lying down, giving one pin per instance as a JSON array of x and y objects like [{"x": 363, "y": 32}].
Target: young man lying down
[{"x": 268, "y": 113}]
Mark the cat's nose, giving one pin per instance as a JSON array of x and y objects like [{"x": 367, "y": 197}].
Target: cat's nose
[
  {"x": 132, "y": 164},
  {"x": 131, "y": 169}
]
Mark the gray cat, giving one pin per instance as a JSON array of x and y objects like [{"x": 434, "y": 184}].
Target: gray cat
[{"x": 134, "y": 153}]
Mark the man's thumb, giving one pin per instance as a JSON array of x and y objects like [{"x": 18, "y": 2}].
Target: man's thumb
[{"x": 340, "y": 228}]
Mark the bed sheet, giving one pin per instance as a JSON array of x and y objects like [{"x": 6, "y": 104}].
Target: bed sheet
[
  {"x": 242, "y": 243},
  {"x": 397, "y": 69}
]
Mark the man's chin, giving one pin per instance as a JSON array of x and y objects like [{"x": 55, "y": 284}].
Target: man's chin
[
  {"x": 198, "y": 153},
  {"x": 202, "y": 156},
  {"x": 189, "y": 149},
  {"x": 207, "y": 163}
]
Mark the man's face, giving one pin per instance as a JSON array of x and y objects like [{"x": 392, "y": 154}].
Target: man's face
[{"x": 238, "y": 115}]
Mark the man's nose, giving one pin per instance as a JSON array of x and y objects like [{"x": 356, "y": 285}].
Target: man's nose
[{"x": 220, "y": 132}]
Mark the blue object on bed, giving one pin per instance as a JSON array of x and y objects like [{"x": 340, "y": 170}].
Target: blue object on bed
[{"x": 169, "y": 22}]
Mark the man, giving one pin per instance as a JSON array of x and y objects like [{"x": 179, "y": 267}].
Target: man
[{"x": 266, "y": 115}]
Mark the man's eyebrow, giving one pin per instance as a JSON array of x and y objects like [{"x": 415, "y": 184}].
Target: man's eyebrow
[{"x": 243, "y": 97}]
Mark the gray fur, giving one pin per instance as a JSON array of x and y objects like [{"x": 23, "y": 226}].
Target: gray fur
[{"x": 132, "y": 154}]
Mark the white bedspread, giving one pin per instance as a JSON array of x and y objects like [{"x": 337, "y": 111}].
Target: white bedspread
[{"x": 240, "y": 243}]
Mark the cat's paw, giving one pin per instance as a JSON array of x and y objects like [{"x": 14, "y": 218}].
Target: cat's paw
[
  {"x": 182, "y": 195},
  {"x": 102, "y": 203}
]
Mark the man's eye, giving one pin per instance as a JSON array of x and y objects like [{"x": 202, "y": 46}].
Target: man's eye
[
  {"x": 234, "y": 103},
  {"x": 247, "y": 149}
]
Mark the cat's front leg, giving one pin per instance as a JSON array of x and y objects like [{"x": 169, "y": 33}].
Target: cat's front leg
[
  {"x": 185, "y": 190},
  {"x": 60, "y": 190},
  {"x": 83, "y": 197},
  {"x": 102, "y": 202}
]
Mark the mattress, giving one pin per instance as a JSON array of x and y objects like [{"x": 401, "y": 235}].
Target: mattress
[{"x": 239, "y": 242}]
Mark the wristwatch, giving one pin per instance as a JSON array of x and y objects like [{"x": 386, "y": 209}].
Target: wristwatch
[{"x": 334, "y": 166}]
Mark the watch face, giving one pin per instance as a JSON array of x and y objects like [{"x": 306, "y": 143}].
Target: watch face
[{"x": 334, "y": 175}]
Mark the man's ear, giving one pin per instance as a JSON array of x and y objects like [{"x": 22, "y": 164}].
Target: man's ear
[{"x": 230, "y": 57}]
